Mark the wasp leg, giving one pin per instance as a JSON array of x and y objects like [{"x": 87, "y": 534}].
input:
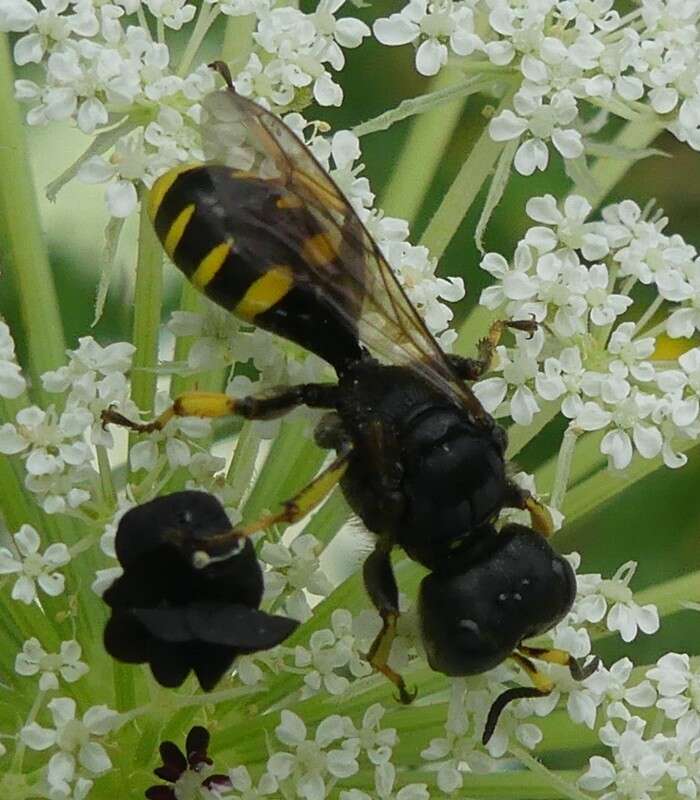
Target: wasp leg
[
  {"x": 542, "y": 687},
  {"x": 230, "y": 543},
  {"x": 471, "y": 369},
  {"x": 579, "y": 672},
  {"x": 380, "y": 583},
  {"x": 217, "y": 404},
  {"x": 540, "y": 518}
]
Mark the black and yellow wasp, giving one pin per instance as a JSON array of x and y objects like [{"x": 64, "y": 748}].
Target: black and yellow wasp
[{"x": 263, "y": 231}]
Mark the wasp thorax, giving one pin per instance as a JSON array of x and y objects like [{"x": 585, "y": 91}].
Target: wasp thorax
[{"x": 474, "y": 615}]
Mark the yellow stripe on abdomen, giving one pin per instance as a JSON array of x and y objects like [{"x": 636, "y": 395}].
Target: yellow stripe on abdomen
[
  {"x": 162, "y": 185},
  {"x": 318, "y": 250},
  {"x": 177, "y": 229},
  {"x": 211, "y": 264},
  {"x": 265, "y": 292}
]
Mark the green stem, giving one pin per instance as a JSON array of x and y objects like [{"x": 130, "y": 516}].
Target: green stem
[
  {"x": 147, "y": 303},
  {"x": 423, "y": 103},
  {"x": 109, "y": 493},
  {"x": 648, "y": 314},
  {"x": 465, "y": 188},
  {"x": 242, "y": 468},
  {"x": 238, "y": 42},
  {"x": 671, "y": 595},
  {"x": 563, "y": 470},
  {"x": 33, "y": 711},
  {"x": 607, "y": 172},
  {"x": 423, "y": 150},
  {"x": 25, "y": 253},
  {"x": 207, "y": 15},
  {"x": 556, "y": 781}
]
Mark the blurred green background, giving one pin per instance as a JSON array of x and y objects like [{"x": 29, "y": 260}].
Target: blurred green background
[{"x": 656, "y": 521}]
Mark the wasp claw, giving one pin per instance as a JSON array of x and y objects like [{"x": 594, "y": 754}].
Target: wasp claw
[
  {"x": 580, "y": 672},
  {"x": 529, "y": 326},
  {"x": 406, "y": 696}
]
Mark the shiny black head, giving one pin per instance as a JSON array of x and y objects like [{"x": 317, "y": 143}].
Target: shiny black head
[
  {"x": 174, "y": 616},
  {"x": 473, "y": 614}
]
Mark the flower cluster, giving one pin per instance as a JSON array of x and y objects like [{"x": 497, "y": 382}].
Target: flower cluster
[
  {"x": 577, "y": 278},
  {"x": 57, "y": 446},
  {"x": 184, "y": 625},
  {"x": 101, "y": 65},
  {"x": 564, "y": 54}
]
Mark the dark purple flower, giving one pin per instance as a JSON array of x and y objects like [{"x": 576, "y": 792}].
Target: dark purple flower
[
  {"x": 192, "y": 770},
  {"x": 177, "y": 617}
]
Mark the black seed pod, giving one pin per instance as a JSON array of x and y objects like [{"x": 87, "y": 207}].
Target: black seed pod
[{"x": 174, "y": 616}]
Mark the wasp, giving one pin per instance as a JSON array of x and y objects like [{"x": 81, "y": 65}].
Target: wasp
[{"x": 262, "y": 230}]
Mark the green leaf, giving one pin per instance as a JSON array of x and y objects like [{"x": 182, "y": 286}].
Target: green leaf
[{"x": 496, "y": 190}]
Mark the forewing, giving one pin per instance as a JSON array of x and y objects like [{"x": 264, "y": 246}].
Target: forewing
[{"x": 368, "y": 296}]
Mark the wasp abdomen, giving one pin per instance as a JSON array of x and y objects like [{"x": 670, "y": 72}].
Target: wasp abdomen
[{"x": 243, "y": 240}]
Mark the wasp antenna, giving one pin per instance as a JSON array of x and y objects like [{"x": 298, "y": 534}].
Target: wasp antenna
[
  {"x": 224, "y": 71},
  {"x": 501, "y": 702}
]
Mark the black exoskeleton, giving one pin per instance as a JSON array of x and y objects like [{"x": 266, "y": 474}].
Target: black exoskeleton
[{"x": 419, "y": 459}]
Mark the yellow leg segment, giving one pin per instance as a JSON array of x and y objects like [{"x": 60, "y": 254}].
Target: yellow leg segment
[
  {"x": 190, "y": 404},
  {"x": 230, "y": 543},
  {"x": 564, "y": 659},
  {"x": 487, "y": 346},
  {"x": 540, "y": 517},
  {"x": 380, "y": 651},
  {"x": 541, "y": 682}
]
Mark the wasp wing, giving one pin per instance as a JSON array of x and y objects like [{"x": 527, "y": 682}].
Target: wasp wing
[{"x": 367, "y": 294}]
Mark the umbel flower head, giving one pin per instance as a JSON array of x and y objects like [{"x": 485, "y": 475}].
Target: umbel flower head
[{"x": 176, "y": 617}]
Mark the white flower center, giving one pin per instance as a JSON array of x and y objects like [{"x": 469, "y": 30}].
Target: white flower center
[
  {"x": 50, "y": 662},
  {"x": 310, "y": 757},
  {"x": 73, "y": 735},
  {"x": 33, "y": 565},
  {"x": 437, "y": 25},
  {"x": 597, "y": 296}
]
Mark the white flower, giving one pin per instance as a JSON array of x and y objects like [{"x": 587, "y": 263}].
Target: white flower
[
  {"x": 243, "y": 785},
  {"x": 67, "y": 663},
  {"x": 370, "y": 737},
  {"x": 309, "y": 766},
  {"x": 678, "y": 684},
  {"x": 296, "y": 569},
  {"x": 174, "y": 13},
  {"x": 12, "y": 383},
  {"x": 637, "y": 770},
  {"x": 74, "y": 740},
  {"x": 604, "y": 305},
  {"x": 625, "y": 616},
  {"x": 32, "y": 567},
  {"x": 610, "y": 686},
  {"x": 568, "y": 227},
  {"x": 384, "y": 779},
  {"x": 519, "y": 369},
  {"x": 434, "y": 24},
  {"x": 544, "y": 121}
]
